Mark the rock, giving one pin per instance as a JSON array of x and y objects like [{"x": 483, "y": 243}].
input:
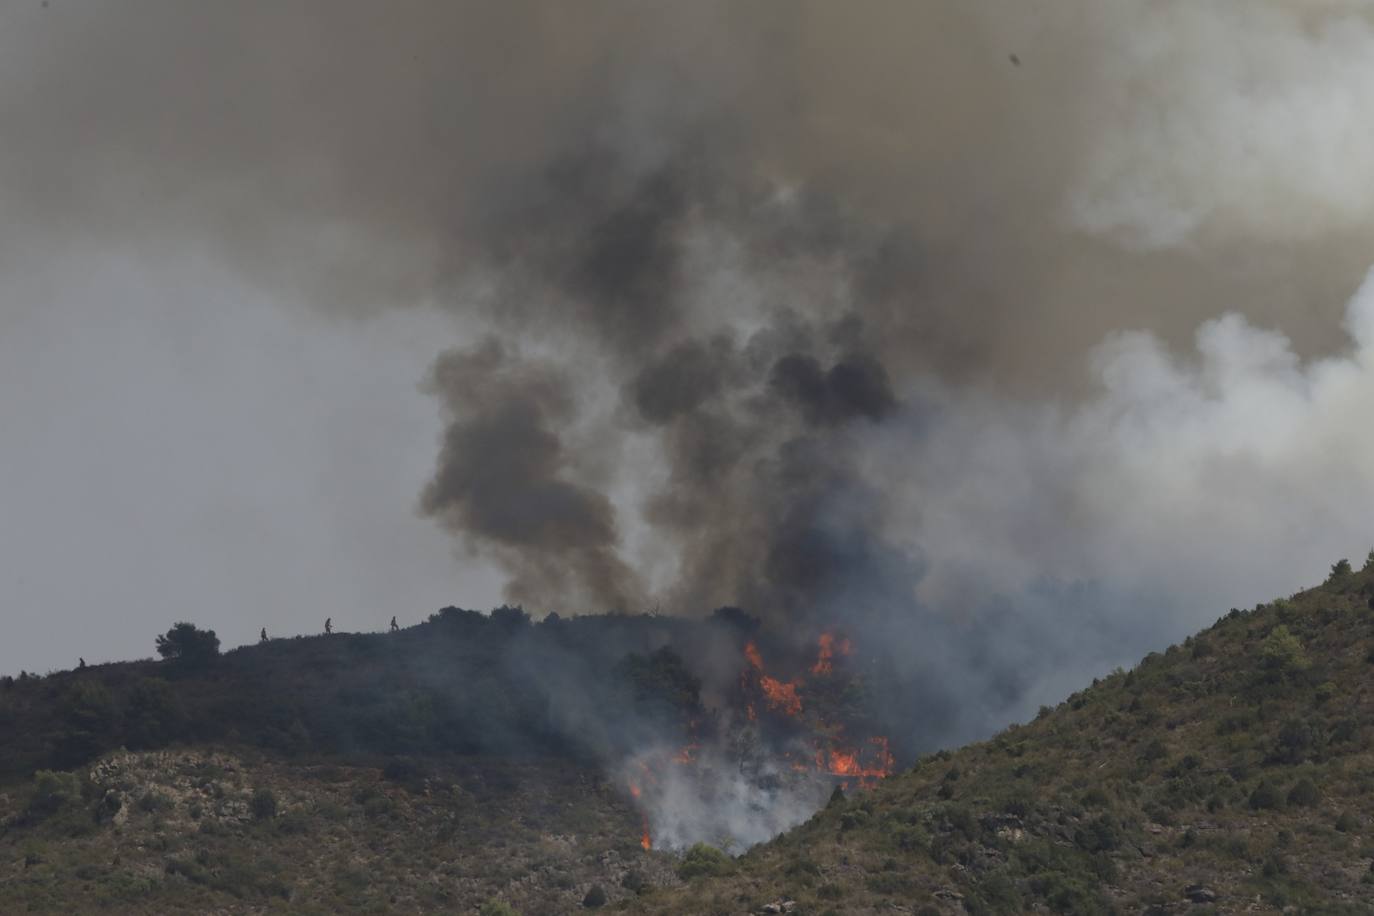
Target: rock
[{"x": 1199, "y": 894}]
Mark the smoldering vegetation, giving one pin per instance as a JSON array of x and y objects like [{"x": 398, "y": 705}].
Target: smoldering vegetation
[
  {"x": 680, "y": 714},
  {"x": 901, "y": 319}
]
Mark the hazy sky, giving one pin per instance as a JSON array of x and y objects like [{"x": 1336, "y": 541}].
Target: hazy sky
[
  {"x": 1035, "y": 328},
  {"x": 177, "y": 445}
]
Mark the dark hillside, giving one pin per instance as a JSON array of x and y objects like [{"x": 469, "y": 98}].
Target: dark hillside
[
  {"x": 1232, "y": 773},
  {"x": 463, "y": 682}
]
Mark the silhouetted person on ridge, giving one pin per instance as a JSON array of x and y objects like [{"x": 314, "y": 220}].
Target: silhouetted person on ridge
[
  {"x": 81, "y": 662},
  {"x": 262, "y": 637},
  {"x": 328, "y": 625},
  {"x": 394, "y": 628}
]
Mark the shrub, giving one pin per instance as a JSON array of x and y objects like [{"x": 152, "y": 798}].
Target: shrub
[
  {"x": 703, "y": 859},
  {"x": 1102, "y": 834},
  {"x": 405, "y": 771},
  {"x": 1304, "y": 793},
  {"x": 1265, "y": 797},
  {"x": 152, "y": 801},
  {"x": 1297, "y": 740},
  {"x": 187, "y": 644},
  {"x": 263, "y": 804},
  {"x": 88, "y": 720},
  {"x": 1282, "y": 651},
  {"x": 494, "y": 907},
  {"x": 154, "y": 715},
  {"x": 1339, "y": 570},
  {"x": 596, "y": 897},
  {"x": 52, "y": 791},
  {"x": 1153, "y": 751}
]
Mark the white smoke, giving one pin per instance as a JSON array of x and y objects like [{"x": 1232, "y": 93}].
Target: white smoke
[
  {"x": 724, "y": 797},
  {"x": 1225, "y": 476},
  {"x": 1228, "y": 120}
]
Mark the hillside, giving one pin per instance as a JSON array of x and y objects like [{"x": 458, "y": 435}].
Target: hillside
[
  {"x": 204, "y": 831},
  {"x": 1232, "y": 773}
]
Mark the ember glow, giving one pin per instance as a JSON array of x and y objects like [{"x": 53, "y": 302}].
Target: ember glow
[
  {"x": 827, "y": 650},
  {"x": 766, "y": 757},
  {"x": 781, "y": 695},
  {"x": 866, "y": 765}
]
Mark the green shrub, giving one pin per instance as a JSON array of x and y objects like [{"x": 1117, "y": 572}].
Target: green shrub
[
  {"x": 704, "y": 860},
  {"x": 1281, "y": 651},
  {"x": 1154, "y": 751},
  {"x": 1304, "y": 793},
  {"x": 52, "y": 791},
  {"x": 1265, "y": 797},
  {"x": 494, "y": 907}
]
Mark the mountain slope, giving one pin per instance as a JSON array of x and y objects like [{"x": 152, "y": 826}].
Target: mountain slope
[
  {"x": 1232, "y": 773},
  {"x": 210, "y": 831}
]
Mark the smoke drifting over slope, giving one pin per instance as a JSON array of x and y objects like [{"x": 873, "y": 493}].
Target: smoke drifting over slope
[{"x": 789, "y": 305}]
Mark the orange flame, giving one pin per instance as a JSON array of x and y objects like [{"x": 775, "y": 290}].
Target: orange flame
[
  {"x": 827, "y": 649},
  {"x": 824, "y": 655},
  {"x": 645, "y": 840},
  {"x": 851, "y": 763},
  {"x": 781, "y": 695}
]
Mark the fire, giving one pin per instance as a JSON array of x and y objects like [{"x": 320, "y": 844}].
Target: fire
[
  {"x": 801, "y": 719},
  {"x": 866, "y": 765},
  {"x": 781, "y": 695},
  {"x": 827, "y": 649}
]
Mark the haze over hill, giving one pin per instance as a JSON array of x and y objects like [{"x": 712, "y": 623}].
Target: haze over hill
[{"x": 430, "y": 770}]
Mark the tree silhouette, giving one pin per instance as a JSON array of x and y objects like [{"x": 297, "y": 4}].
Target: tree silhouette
[{"x": 186, "y": 644}]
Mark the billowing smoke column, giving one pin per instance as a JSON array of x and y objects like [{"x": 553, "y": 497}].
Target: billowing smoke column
[{"x": 863, "y": 313}]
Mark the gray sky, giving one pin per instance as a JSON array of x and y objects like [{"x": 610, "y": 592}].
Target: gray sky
[
  {"x": 329, "y": 308},
  {"x": 177, "y": 445}
]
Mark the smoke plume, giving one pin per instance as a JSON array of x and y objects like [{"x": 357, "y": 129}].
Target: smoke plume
[{"x": 1007, "y": 337}]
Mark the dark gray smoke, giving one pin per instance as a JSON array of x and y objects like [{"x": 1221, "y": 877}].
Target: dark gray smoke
[
  {"x": 501, "y": 481},
  {"x": 826, "y": 310}
]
